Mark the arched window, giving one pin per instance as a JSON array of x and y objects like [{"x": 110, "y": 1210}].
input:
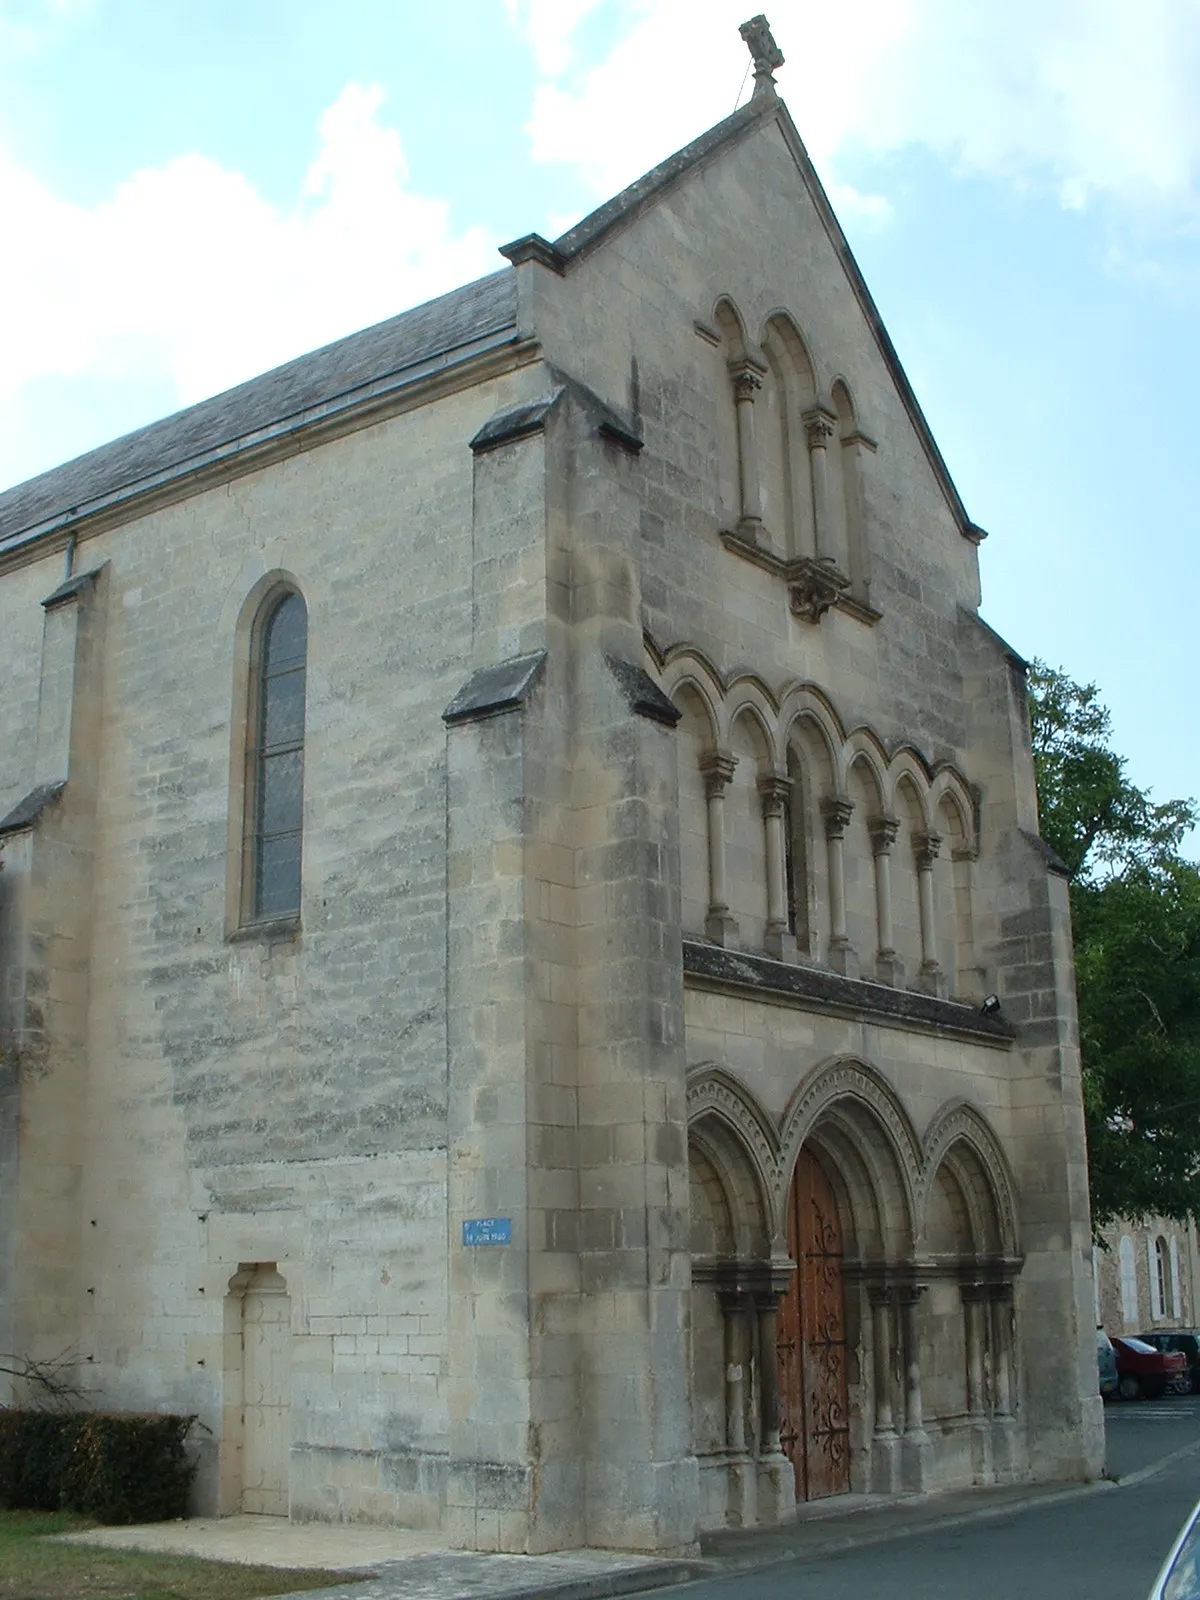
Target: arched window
[
  {"x": 1158, "y": 1279},
  {"x": 275, "y": 761}
]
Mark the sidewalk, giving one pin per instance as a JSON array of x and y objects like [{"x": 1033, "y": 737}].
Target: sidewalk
[{"x": 405, "y": 1564}]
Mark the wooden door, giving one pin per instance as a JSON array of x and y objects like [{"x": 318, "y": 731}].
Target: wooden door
[
  {"x": 814, "y": 1428},
  {"x": 266, "y": 1395}
]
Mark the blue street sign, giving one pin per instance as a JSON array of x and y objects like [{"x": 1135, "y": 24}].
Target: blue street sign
[{"x": 487, "y": 1230}]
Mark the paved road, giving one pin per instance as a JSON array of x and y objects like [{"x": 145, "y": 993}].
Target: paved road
[
  {"x": 1107, "y": 1545},
  {"x": 1143, "y": 1431}
]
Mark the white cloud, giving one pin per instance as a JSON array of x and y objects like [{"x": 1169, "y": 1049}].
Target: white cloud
[
  {"x": 548, "y": 27},
  {"x": 27, "y": 27},
  {"x": 188, "y": 277},
  {"x": 1089, "y": 98}
]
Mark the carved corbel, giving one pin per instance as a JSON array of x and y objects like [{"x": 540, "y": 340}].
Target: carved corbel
[{"x": 815, "y": 587}]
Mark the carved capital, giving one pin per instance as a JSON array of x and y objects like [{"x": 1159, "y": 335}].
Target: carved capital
[
  {"x": 883, "y": 832},
  {"x": 716, "y": 767},
  {"x": 747, "y": 380},
  {"x": 814, "y": 587},
  {"x": 925, "y": 848},
  {"x": 836, "y": 811},
  {"x": 775, "y": 790},
  {"x": 819, "y": 427}
]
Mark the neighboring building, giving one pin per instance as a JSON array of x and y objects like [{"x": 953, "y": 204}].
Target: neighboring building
[
  {"x": 512, "y": 821},
  {"x": 1145, "y": 1276}
]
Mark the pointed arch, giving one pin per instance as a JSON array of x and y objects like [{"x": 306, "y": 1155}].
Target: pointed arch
[
  {"x": 865, "y": 742},
  {"x": 804, "y": 703},
  {"x": 742, "y": 684},
  {"x": 715, "y": 1096},
  {"x": 789, "y": 391},
  {"x": 959, "y": 1122},
  {"x": 851, "y": 489},
  {"x": 266, "y": 813},
  {"x": 862, "y": 759},
  {"x": 747, "y": 709},
  {"x": 683, "y": 664},
  {"x": 737, "y": 489},
  {"x": 954, "y": 887},
  {"x": 847, "y": 1104},
  {"x": 908, "y": 785},
  {"x": 948, "y": 787},
  {"x": 729, "y": 323}
]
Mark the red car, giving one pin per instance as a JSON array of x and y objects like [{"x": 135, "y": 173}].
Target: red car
[{"x": 1144, "y": 1371}]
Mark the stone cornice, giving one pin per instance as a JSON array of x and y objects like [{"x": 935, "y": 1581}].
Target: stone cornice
[{"x": 752, "y": 976}]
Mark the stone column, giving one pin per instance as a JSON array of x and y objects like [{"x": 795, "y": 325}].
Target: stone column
[
  {"x": 1001, "y": 1338},
  {"x": 915, "y": 1442},
  {"x": 818, "y": 430},
  {"x": 768, "y": 1366},
  {"x": 736, "y": 1361},
  {"x": 747, "y": 381},
  {"x": 741, "y": 1495},
  {"x": 717, "y": 768},
  {"x": 1008, "y": 1447},
  {"x": 974, "y": 1308},
  {"x": 775, "y": 790},
  {"x": 881, "y": 1340},
  {"x": 914, "y": 1417},
  {"x": 883, "y": 831},
  {"x": 836, "y": 811},
  {"x": 885, "y": 1441},
  {"x": 776, "y": 1491},
  {"x": 925, "y": 847},
  {"x": 976, "y": 1334}
]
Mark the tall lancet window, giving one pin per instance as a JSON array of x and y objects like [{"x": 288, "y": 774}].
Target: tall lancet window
[{"x": 275, "y": 761}]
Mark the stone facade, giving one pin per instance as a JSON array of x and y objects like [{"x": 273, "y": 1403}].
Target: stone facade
[
  {"x": 668, "y": 818},
  {"x": 1146, "y": 1275}
]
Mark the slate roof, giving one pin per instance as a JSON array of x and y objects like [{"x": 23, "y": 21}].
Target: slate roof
[{"x": 431, "y": 334}]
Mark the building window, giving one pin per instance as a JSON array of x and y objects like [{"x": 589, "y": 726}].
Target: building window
[
  {"x": 275, "y": 761},
  {"x": 1129, "y": 1294},
  {"x": 1158, "y": 1279}
]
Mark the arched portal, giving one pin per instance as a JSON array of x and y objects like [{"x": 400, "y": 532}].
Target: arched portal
[{"x": 813, "y": 1404}]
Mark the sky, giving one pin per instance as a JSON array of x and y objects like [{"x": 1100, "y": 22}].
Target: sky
[{"x": 192, "y": 191}]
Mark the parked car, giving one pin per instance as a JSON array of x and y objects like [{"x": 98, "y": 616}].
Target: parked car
[
  {"x": 1179, "y": 1578},
  {"x": 1143, "y": 1371},
  {"x": 1107, "y": 1362},
  {"x": 1185, "y": 1339}
]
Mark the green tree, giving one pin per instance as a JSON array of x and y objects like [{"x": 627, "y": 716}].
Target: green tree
[{"x": 1135, "y": 909}]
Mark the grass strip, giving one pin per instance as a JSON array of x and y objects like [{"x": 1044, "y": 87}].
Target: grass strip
[{"x": 34, "y": 1567}]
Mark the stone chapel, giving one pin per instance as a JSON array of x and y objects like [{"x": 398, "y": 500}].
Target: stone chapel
[{"x": 531, "y": 996}]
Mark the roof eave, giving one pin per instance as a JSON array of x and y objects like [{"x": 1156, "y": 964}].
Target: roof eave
[{"x": 333, "y": 417}]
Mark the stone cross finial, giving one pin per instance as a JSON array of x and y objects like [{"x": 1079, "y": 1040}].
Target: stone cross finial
[{"x": 767, "y": 55}]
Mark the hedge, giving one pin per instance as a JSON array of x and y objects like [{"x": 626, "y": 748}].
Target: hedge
[{"x": 114, "y": 1466}]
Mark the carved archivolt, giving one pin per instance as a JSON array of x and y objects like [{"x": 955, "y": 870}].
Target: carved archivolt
[
  {"x": 854, "y": 1096},
  {"x": 712, "y": 1090},
  {"x": 959, "y": 1120}
]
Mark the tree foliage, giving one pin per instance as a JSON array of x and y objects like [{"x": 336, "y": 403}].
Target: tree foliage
[{"x": 1135, "y": 907}]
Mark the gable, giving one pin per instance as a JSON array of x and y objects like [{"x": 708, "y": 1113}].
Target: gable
[{"x": 672, "y": 188}]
